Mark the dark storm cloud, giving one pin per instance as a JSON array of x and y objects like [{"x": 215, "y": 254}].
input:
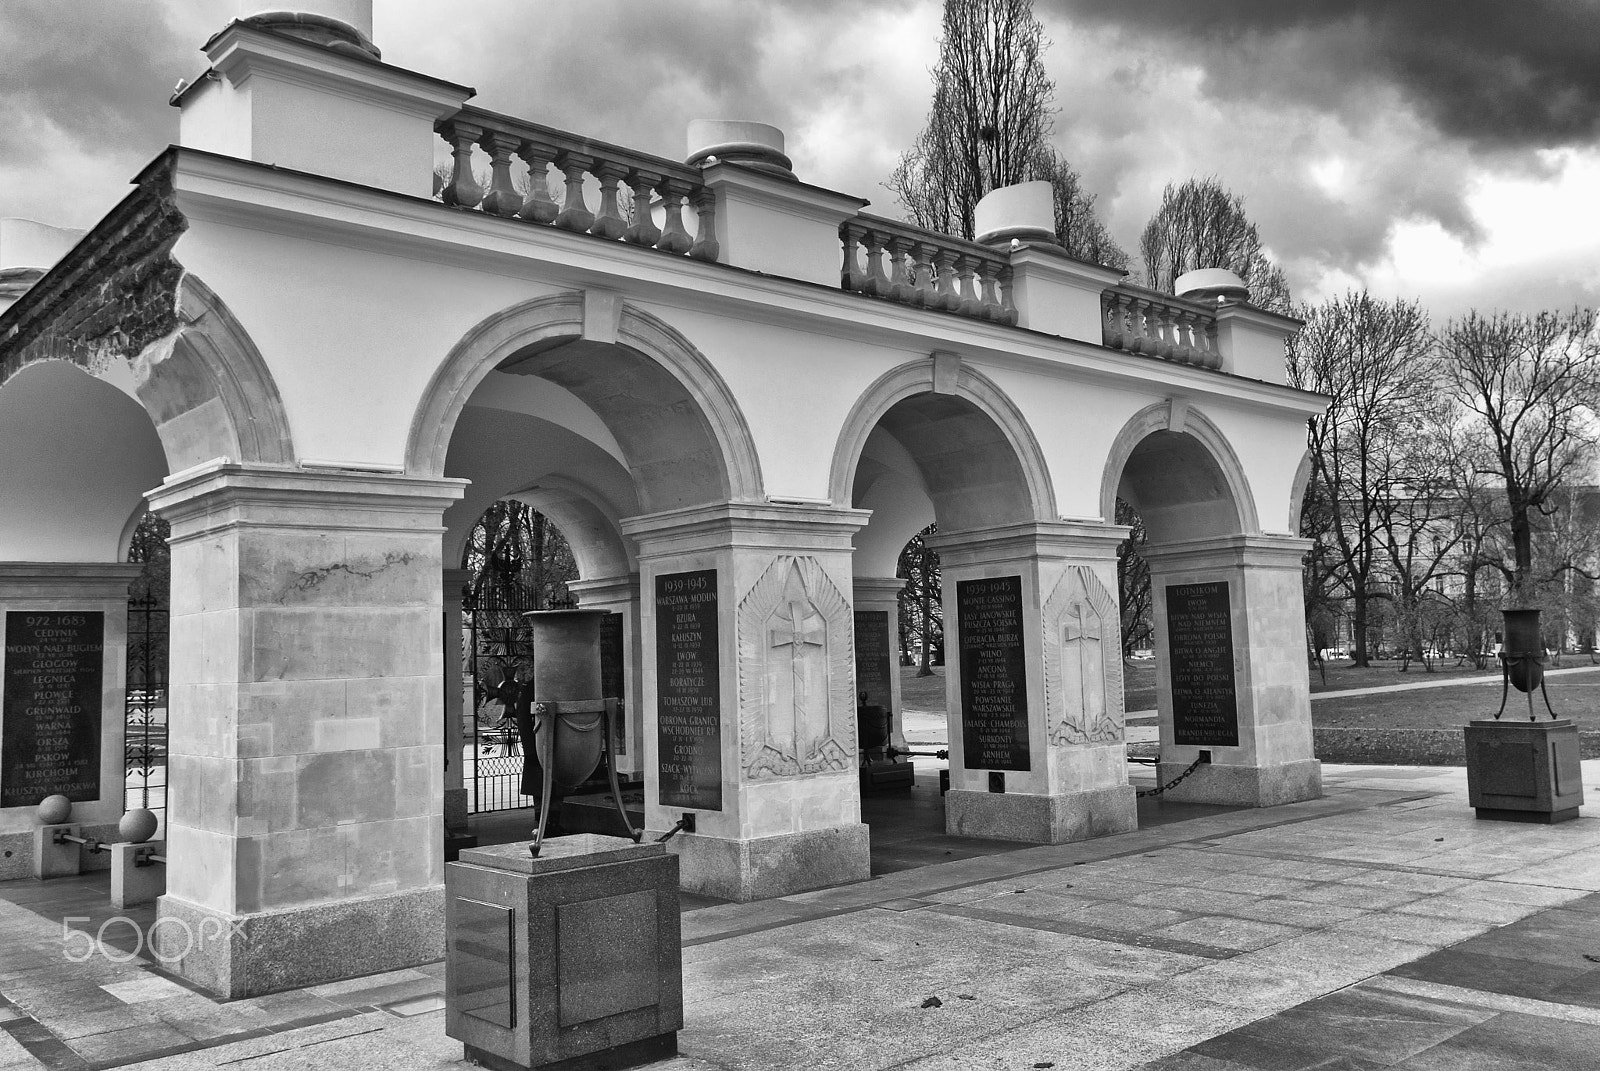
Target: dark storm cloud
[
  {"x": 96, "y": 72},
  {"x": 1502, "y": 74}
]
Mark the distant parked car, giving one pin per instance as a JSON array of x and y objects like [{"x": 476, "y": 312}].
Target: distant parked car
[{"x": 1143, "y": 653}]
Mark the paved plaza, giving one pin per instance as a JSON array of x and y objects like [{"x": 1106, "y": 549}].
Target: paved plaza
[{"x": 1380, "y": 926}]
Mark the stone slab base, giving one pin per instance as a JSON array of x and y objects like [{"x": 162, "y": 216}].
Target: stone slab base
[
  {"x": 1244, "y": 786},
  {"x": 1041, "y": 819},
  {"x": 234, "y": 956},
  {"x": 745, "y": 870},
  {"x": 632, "y": 1054},
  {"x": 1548, "y": 818}
]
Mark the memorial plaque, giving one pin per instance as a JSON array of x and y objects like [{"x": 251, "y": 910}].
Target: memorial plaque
[
  {"x": 873, "y": 659},
  {"x": 483, "y": 980},
  {"x": 994, "y": 683},
  {"x": 613, "y": 678},
  {"x": 688, "y": 691},
  {"x": 1205, "y": 706},
  {"x": 50, "y": 706}
]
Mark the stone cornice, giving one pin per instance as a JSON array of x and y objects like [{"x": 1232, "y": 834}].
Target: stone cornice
[
  {"x": 1026, "y": 539},
  {"x": 222, "y": 494},
  {"x": 793, "y": 528},
  {"x": 279, "y": 200},
  {"x": 1226, "y": 551}
]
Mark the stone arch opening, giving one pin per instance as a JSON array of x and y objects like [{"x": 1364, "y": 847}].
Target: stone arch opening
[
  {"x": 931, "y": 442},
  {"x": 653, "y": 400},
  {"x": 1181, "y": 475},
  {"x": 80, "y": 454}
]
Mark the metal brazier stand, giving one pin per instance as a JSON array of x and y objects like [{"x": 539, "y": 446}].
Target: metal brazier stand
[
  {"x": 1524, "y": 771},
  {"x": 563, "y": 953}
]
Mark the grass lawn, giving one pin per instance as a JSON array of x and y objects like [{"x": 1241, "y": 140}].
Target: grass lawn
[{"x": 1575, "y": 696}]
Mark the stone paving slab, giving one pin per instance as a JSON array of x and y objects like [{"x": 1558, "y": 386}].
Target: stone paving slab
[{"x": 1382, "y": 926}]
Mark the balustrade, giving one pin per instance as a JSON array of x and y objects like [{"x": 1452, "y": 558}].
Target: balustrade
[
  {"x": 888, "y": 259},
  {"x": 1137, "y": 320},
  {"x": 577, "y": 161}
]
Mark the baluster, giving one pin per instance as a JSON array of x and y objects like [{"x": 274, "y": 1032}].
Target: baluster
[
  {"x": 538, "y": 206},
  {"x": 608, "y": 222},
  {"x": 502, "y": 198},
  {"x": 1165, "y": 330},
  {"x": 925, "y": 276},
  {"x": 1186, "y": 351},
  {"x": 1213, "y": 354},
  {"x": 970, "y": 305},
  {"x": 877, "y": 283},
  {"x": 643, "y": 230},
  {"x": 851, "y": 276},
  {"x": 705, "y": 235},
  {"x": 674, "y": 238},
  {"x": 989, "y": 294},
  {"x": 945, "y": 288},
  {"x": 575, "y": 215},
  {"x": 900, "y": 285},
  {"x": 462, "y": 191},
  {"x": 1139, "y": 342},
  {"x": 1008, "y": 304},
  {"x": 1110, "y": 320}
]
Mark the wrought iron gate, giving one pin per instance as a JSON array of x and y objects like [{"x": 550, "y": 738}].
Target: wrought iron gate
[{"x": 145, "y": 706}]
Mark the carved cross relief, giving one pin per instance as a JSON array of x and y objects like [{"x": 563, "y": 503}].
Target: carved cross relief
[
  {"x": 796, "y": 661},
  {"x": 797, "y": 678},
  {"x": 1083, "y": 667}
]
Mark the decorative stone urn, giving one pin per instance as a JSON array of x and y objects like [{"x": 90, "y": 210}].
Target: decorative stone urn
[{"x": 1524, "y": 771}]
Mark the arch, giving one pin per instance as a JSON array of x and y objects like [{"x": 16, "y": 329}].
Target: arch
[
  {"x": 208, "y": 388},
  {"x": 589, "y": 526},
  {"x": 972, "y": 387},
  {"x": 1216, "y": 461},
  {"x": 1297, "y": 491},
  {"x": 80, "y": 453},
  {"x": 631, "y": 371}
]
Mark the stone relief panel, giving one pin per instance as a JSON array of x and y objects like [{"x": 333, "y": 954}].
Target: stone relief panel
[
  {"x": 1083, "y": 661},
  {"x": 796, "y": 707}
]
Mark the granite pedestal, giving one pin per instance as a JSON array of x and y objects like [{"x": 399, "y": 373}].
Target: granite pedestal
[
  {"x": 569, "y": 960},
  {"x": 1524, "y": 771}
]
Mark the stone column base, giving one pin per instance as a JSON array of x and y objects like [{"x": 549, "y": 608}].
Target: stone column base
[
  {"x": 1244, "y": 786},
  {"x": 234, "y": 956},
  {"x": 1041, "y": 819},
  {"x": 745, "y": 870}
]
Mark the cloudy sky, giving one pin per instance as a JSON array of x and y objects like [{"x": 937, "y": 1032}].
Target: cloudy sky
[{"x": 1447, "y": 150}]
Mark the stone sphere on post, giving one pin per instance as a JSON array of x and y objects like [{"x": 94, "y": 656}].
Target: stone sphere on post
[
  {"x": 1024, "y": 212},
  {"x": 137, "y": 825},
  {"x": 55, "y": 810}
]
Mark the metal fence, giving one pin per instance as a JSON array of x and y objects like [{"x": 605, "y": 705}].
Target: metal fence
[{"x": 145, "y": 704}]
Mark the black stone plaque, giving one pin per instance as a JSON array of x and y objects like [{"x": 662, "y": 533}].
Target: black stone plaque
[
  {"x": 1205, "y": 706},
  {"x": 613, "y": 680},
  {"x": 688, "y": 691},
  {"x": 483, "y": 976},
  {"x": 51, "y": 706},
  {"x": 994, "y": 683},
  {"x": 873, "y": 659}
]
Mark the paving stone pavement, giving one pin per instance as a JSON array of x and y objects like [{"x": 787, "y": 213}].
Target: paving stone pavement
[{"x": 1379, "y": 927}]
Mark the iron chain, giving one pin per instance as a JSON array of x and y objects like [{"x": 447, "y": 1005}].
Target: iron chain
[{"x": 1193, "y": 766}]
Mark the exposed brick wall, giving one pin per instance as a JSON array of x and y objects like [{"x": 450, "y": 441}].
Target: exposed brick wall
[{"x": 112, "y": 295}]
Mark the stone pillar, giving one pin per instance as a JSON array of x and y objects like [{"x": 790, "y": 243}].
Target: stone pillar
[
  {"x": 1250, "y": 711},
  {"x": 881, "y": 595},
  {"x": 68, "y": 588},
  {"x": 749, "y": 695},
  {"x": 455, "y": 685},
  {"x": 306, "y": 763},
  {"x": 620, "y": 595},
  {"x": 1034, "y": 680}
]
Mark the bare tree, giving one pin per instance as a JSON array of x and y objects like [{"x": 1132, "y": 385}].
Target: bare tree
[
  {"x": 1532, "y": 382},
  {"x": 1133, "y": 584},
  {"x": 989, "y": 126},
  {"x": 1371, "y": 359},
  {"x": 1201, "y": 225},
  {"x": 921, "y": 601}
]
